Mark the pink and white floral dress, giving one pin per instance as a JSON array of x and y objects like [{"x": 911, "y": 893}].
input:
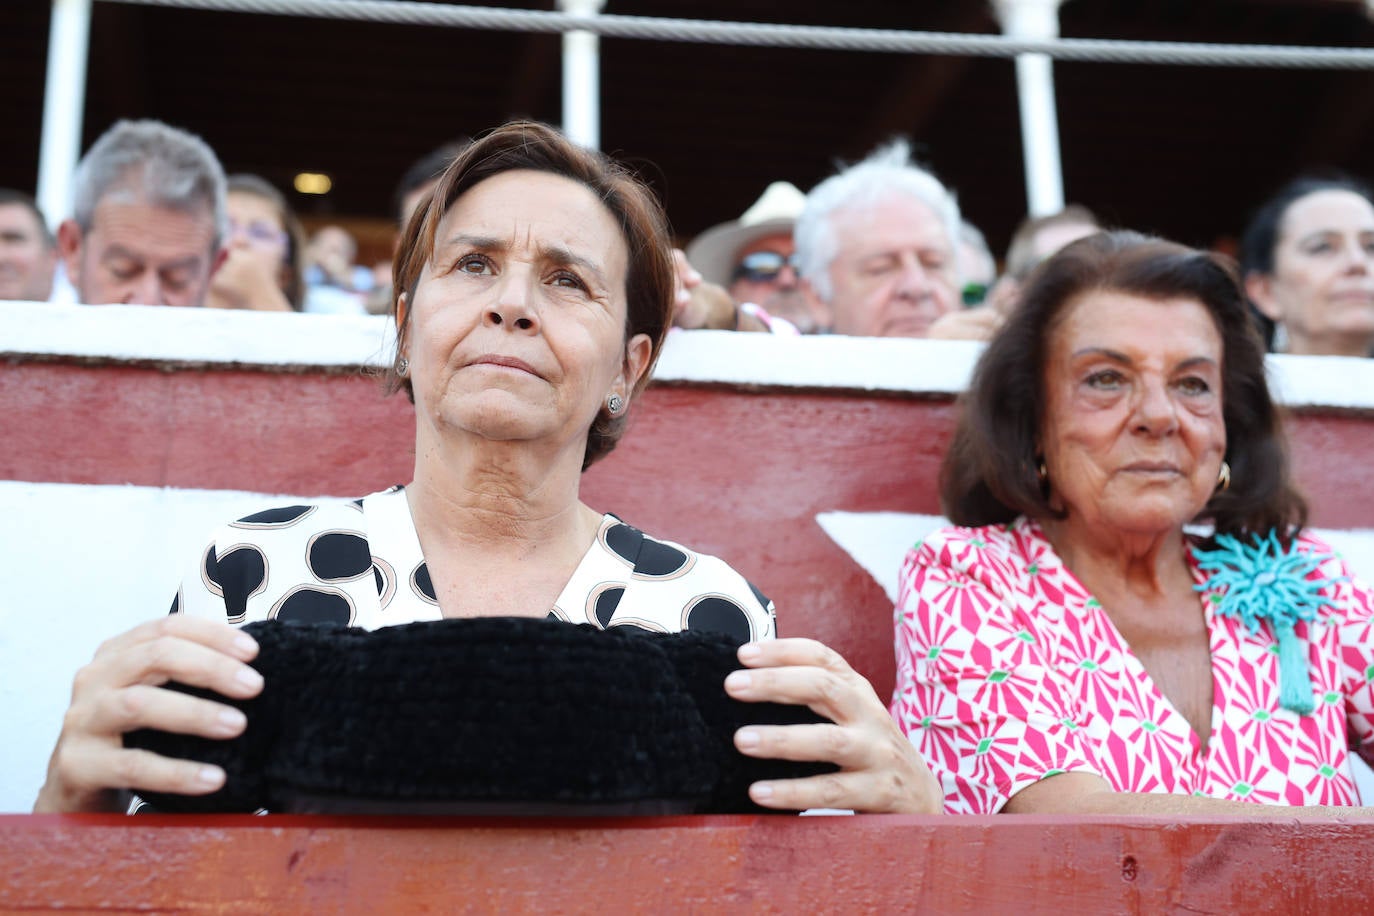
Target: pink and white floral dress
[{"x": 1009, "y": 671}]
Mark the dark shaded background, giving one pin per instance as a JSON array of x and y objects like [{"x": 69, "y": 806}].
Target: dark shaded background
[{"x": 1183, "y": 151}]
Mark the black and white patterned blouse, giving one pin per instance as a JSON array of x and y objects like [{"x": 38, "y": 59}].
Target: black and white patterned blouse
[{"x": 360, "y": 563}]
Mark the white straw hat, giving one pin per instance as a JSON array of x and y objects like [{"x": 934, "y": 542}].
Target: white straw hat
[{"x": 713, "y": 252}]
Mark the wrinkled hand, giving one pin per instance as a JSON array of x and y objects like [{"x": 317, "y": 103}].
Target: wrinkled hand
[
  {"x": 698, "y": 304},
  {"x": 120, "y": 690},
  {"x": 242, "y": 281},
  {"x": 879, "y": 769}
]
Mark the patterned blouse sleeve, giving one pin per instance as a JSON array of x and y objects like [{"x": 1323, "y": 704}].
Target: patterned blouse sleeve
[
  {"x": 197, "y": 595},
  {"x": 1357, "y": 662},
  {"x": 974, "y": 692}
]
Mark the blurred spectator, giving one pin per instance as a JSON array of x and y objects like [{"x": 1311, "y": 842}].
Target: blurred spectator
[
  {"x": 334, "y": 284},
  {"x": 753, "y": 257},
  {"x": 876, "y": 245},
  {"x": 1307, "y": 258},
  {"x": 147, "y": 217},
  {"x": 28, "y": 251},
  {"x": 422, "y": 176},
  {"x": 411, "y": 191},
  {"x": 976, "y": 320},
  {"x": 977, "y": 268},
  {"x": 263, "y": 251},
  {"x": 1034, "y": 241},
  {"x": 709, "y": 307}
]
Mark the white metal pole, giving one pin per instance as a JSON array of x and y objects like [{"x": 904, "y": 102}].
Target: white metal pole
[
  {"x": 64, "y": 103},
  {"x": 1038, "y": 19},
  {"x": 581, "y": 77}
]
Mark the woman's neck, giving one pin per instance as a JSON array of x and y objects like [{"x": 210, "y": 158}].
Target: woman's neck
[
  {"x": 497, "y": 497},
  {"x": 1329, "y": 345},
  {"x": 1114, "y": 563}
]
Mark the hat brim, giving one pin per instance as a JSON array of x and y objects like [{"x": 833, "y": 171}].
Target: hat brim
[{"x": 713, "y": 252}]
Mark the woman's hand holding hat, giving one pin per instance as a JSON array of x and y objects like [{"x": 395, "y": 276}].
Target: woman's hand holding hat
[
  {"x": 880, "y": 771},
  {"x": 121, "y": 690}
]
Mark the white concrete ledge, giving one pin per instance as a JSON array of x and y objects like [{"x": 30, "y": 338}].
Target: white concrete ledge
[{"x": 142, "y": 334}]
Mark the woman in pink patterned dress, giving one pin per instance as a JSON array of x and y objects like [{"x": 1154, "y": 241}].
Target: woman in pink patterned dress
[{"x": 1069, "y": 647}]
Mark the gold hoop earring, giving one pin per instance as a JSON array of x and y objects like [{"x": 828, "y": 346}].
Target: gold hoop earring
[{"x": 1224, "y": 477}]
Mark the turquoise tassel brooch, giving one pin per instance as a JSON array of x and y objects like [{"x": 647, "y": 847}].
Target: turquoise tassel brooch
[{"x": 1265, "y": 581}]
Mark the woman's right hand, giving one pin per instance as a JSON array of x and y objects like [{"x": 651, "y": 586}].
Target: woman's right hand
[{"x": 121, "y": 690}]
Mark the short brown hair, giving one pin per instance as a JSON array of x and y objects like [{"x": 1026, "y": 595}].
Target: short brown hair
[
  {"x": 990, "y": 474},
  {"x": 650, "y": 275}
]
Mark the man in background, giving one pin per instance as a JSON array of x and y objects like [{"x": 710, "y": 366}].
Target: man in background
[
  {"x": 148, "y": 216},
  {"x": 28, "y": 251},
  {"x": 753, "y": 258},
  {"x": 876, "y": 246},
  {"x": 1035, "y": 240}
]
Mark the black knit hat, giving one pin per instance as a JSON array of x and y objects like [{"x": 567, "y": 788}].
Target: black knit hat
[{"x": 488, "y": 715}]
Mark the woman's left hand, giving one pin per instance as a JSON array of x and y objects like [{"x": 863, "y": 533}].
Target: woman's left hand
[{"x": 879, "y": 770}]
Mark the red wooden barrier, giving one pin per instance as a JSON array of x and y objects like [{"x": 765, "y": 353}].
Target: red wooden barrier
[{"x": 876, "y": 864}]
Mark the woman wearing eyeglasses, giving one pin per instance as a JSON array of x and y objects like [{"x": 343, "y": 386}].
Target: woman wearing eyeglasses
[{"x": 262, "y": 264}]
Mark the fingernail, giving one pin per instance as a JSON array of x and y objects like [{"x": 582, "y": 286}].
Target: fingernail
[
  {"x": 747, "y": 740},
  {"x": 210, "y": 777},
  {"x": 246, "y": 644},
  {"x": 738, "y": 680},
  {"x": 749, "y": 651},
  {"x": 232, "y": 720},
  {"x": 760, "y": 791},
  {"x": 248, "y": 677}
]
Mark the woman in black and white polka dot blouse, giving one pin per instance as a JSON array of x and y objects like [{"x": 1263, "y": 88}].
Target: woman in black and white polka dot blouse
[{"x": 536, "y": 289}]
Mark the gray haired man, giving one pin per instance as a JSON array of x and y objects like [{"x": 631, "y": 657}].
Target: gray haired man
[
  {"x": 876, "y": 244},
  {"x": 148, "y": 218}
]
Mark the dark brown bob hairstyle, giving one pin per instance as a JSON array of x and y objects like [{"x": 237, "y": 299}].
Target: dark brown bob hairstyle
[
  {"x": 990, "y": 474},
  {"x": 650, "y": 276}
]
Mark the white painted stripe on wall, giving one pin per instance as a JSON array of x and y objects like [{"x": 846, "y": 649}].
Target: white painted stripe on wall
[
  {"x": 158, "y": 334},
  {"x": 143, "y": 333}
]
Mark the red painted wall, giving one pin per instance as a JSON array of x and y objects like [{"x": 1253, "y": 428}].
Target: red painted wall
[
  {"x": 873, "y": 864},
  {"x": 741, "y": 474}
]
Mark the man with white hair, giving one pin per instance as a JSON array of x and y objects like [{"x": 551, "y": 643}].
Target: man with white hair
[
  {"x": 147, "y": 218},
  {"x": 876, "y": 244}
]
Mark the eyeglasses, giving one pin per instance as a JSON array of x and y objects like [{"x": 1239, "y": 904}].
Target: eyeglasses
[
  {"x": 763, "y": 266},
  {"x": 259, "y": 233}
]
